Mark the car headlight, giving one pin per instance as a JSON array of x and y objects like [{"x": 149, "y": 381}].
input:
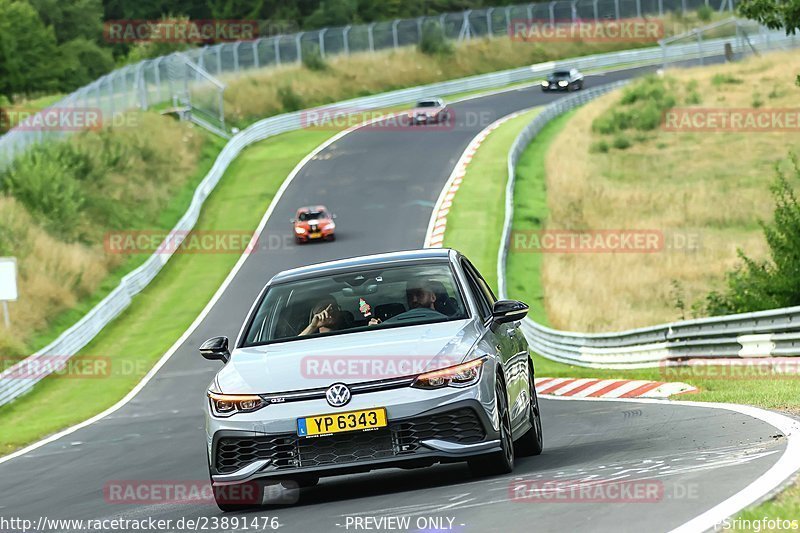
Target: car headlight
[
  {"x": 230, "y": 404},
  {"x": 563, "y": 83},
  {"x": 545, "y": 83},
  {"x": 330, "y": 225},
  {"x": 299, "y": 231},
  {"x": 462, "y": 375}
]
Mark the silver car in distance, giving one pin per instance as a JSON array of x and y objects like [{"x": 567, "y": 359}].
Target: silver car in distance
[{"x": 404, "y": 360}]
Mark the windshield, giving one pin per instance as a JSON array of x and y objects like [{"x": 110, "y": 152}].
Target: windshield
[
  {"x": 560, "y": 74},
  {"x": 428, "y": 103},
  {"x": 357, "y": 301},
  {"x": 312, "y": 215}
]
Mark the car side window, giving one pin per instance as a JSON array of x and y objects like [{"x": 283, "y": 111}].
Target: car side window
[
  {"x": 487, "y": 291},
  {"x": 474, "y": 280}
]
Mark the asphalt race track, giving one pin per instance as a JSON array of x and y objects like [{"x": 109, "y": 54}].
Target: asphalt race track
[{"x": 382, "y": 183}]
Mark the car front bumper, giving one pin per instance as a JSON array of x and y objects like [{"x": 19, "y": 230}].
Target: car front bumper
[{"x": 424, "y": 427}]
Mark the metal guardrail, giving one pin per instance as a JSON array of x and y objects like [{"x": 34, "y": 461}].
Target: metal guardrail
[
  {"x": 773, "y": 333},
  {"x": 80, "y": 334}
]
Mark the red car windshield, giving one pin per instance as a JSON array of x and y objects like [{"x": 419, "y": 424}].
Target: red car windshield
[{"x": 312, "y": 215}]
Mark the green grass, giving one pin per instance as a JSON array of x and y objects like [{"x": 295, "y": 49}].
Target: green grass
[
  {"x": 475, "y": 223},
  {"x": 177, "y": 206},
  {"x": 163, "y": 311},
  {"x": 523, "y": 270}
]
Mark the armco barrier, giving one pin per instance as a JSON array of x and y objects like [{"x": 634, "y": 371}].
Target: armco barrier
[
  {"x": 80, "y": 334},
  {"x": 773, "y": 333}
]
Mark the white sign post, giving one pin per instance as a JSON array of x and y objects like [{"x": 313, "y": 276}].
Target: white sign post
[{"x": 8, "y": 284}]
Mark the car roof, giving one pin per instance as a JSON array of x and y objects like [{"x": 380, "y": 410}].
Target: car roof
[
  {"x": 375, "y": 260},
  {"x": 433, "y": 99}
]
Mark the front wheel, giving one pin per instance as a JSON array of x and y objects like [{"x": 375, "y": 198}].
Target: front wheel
[
  {"x": 531, "y": 442},
  {"x": 501, "y": 462}
]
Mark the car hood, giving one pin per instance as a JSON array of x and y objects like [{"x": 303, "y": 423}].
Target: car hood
[{"x": 347, "y": 358}]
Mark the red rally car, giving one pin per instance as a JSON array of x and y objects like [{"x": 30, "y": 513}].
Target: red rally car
[{"x": 313, "y": 222}]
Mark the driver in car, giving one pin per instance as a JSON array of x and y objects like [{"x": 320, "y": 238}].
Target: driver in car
[{"x": 421, "y": 300}]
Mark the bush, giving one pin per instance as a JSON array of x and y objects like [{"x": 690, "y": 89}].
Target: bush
[
  {"x": 760, "y": 285},
  {"x": 641, "y": 107},
  {"x": 704, "y": 13},
  {"x": 600, "y": 146},
  {"x": 725, "y": 79},
  {"x": 434, "y": 41},
  {"x": 621, "y": 142},
  {"x": 312, "y": 58},
  {"x": 290, "y": 100}
]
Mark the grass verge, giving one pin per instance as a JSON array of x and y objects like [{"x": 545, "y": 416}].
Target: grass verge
[
  {"x": 475, "y": 223},
  {"x": 161, "y": 313}
]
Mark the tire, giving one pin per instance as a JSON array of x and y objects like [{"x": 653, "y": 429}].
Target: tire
[
  {"x": 531, "y": 442},
  {"x": 330, "y": 238},
  {"x": 239, "y": 497},
  {"x": 501, "y": 462}
]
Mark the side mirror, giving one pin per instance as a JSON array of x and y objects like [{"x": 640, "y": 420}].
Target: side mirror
[
  {"x": 333, "y": 215},
  {"x": 508, "y": 311},
  {"x": 292, "y": 220},
  {"x": 216, "y": 349}
]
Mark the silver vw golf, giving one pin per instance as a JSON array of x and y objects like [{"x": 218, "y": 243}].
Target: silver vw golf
[{"x": 401, "y": 360}]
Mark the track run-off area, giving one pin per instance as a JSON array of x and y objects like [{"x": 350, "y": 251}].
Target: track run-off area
[{"x": 695, "y": 463}]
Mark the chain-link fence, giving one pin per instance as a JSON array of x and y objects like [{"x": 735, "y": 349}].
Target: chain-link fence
[
  {"x": 741, "y": 38},
  {"x": 187, "y": 79}
]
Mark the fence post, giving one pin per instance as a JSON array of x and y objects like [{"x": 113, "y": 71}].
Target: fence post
[
  {"x": 219, "y": 59},
  {"x": 276, "y": 42},
  {"x": 395, "y": 22},
  {"x": 683, "y": 7},
  {"x": 639, "y": 8},
  {"x": 141, "y": 87},
  {"x": 616, "y": 9},
  {"x": 346, "y": 39},
  {"x": 530, "y": 12},
  {"x": 371, "y": 36},
  {"x": 489, "y": 29},
  {"x": 552, "y": 8},
  {"x": 594, "y": 6},
  {"x": 256, "y": 63},
  {"x": 322, "y": 41},
  {"x": 466, "y": 30},
  {"x": 236, "y": 56},
  {"x": 508, "y": 18},
  {"x": 443, "y": 23},
  {"x": 700, "y": 46},
  {"x": 158, "y": 77},
  {"x": 660, "y": 8},
  {"x": 419, "y": 28},
  {"x": 298, "y": 46},
  {"x": 574, "y": 10}
]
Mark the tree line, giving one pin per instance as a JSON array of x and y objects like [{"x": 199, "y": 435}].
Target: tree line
[{"x": 49, "y": 46}]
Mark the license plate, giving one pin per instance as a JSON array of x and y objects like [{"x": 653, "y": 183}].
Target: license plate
[
  {"x": 341, "y": 422},
  {"x": 316, "y": 235}
]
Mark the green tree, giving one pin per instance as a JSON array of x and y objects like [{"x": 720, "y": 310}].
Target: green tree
[
  {"x": 27, "y": 51},
  {"x": 72, "y": 19},
  {"x": 759, "y": 285},
  {"x": 82, "y": 62},
  {"x": 775, "y": 14}
]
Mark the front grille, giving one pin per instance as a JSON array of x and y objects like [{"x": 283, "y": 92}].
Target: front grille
[
  {"x": 234, "y": 453},
  {"x": 461, "y": 426}
]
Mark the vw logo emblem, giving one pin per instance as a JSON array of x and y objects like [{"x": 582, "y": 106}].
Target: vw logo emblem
[{"x": 337, "y": 395}]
